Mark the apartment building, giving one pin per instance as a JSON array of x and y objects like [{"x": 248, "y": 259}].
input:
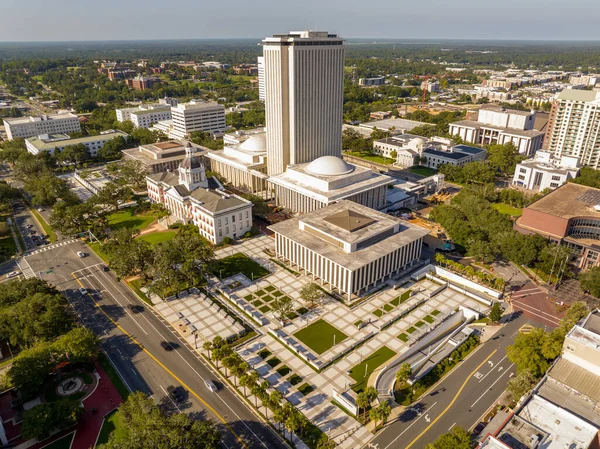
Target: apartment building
[
  {"x": 375, "y": 81},
  {"x": 45, "y": 124},
  {"x": 574, "y": 126},
  {"x": 197, "y": 115}
]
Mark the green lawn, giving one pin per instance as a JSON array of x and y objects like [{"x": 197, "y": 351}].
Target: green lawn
[
  {"x": 128, "y": 219},
  {"x": 423, "y": 171},
  {"x": 47, "y": 229},
  {"x": 305, "y": 389},
  {"x": 97, "y": 247},
  {"x": 369, "y": 365},
  {"x": 62, "y": 443},
  {"x": 319, "y": 336},
  {"x": 114, "y": 376},
  {"x": 372, "y": 158},
  {"x": 136, "y": 285},
  {"x": 507, "y": 209},
  {"x": 8, "y": 247},
  {"x": 112, "y": 424},
  {"x": 239, "y": 263},
  {"x": 158, "y": 237},
  {"x": 403, "y": 337}
]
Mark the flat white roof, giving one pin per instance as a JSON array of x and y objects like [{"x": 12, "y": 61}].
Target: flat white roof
[{"x": 565, "y": 429}]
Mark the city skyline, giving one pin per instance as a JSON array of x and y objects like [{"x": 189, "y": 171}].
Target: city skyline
[{"x": 465, "y": 19}]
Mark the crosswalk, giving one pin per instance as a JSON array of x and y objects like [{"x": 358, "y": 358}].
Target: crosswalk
[
  {"x": 25, "y": 268},
  {"x": 46, "y": 248}
]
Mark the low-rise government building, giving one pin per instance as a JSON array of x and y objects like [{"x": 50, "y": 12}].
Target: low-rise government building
[
  {"x": 191, "y": 197},
  {"x": 161, "y": 156},
  {"x": 545, "y": 171},
  {"x": 51, "y": 142},
  {"x": 302, "y": 188},
  {"x": 243, "y": 162},
  {"x": 45, "y": 124},
  {"x": 495, "y": 125},
  {"x": 348, "y": 247}
]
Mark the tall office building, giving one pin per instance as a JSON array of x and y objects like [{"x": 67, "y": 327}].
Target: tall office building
[
  {"x": 304, "y": 83},
  {"x": 261, "y": 78},
  {"x": 574, "y": 126},
  {"x": 197, "y": 115}
]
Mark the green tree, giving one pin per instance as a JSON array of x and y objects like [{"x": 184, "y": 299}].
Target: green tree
[
  {"x": 129, "y": 172},
  {"x": 282, "y": 306},
  {"x": 47, "y": 189},
  {"x": 74, "y": 154},
  {"x": 312, "y": 294},
  {"x": 521, "y": 384},
  {"x": 458, "y": 438},
  {"x": 145, "y": 425},
  {"x": 259, "y": 205},
  {"x": 496, "y": 312},
  {"x": 113, "y": 195},
  {"x": 30, "y": 369},
  {"x": 362, "y": 401},
  {"x": 526, "y": 352},
  {"x": 112, "y": 148},
  {"x": 79, "y": 345},
  {"x": 41, "y": 420},
  {"x": 590, "y": 281}
]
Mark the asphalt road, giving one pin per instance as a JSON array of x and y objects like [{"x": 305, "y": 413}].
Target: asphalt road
[
  {"x": 461, "y": 399},
  {"x": 132, "y": 340}
]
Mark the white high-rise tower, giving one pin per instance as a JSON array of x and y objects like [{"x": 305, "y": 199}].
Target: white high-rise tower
[{"x": 304, "y": 84}]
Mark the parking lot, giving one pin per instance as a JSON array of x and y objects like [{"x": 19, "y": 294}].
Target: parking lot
[{"x": 32, "y": 234}]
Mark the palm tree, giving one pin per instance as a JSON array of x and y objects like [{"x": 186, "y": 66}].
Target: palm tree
[
  {"x": 362, "y": 401},
  {"x": 302, "y": 421},
  {"x": 218, "y": 354},
  {"x": 384, "y": 411},
  {"x": 230, "y": 362},
  {"x": 207, "y": 346},
  {"x": 255, "y": 390},
  {"x": 279, "y": 416},
  {"x": 292, "y": 423},
  {"x": 375, "y": 414},
  {"x": 245, "y": 382},
  {"x": 371, "y": 393},
  {"x": 266, "y": 402},
  {"x": 253, "y": 375},
  {"x": 238, "y": 371},
  {"x": 275, "y": 399},
  {"x": 403, "y": 373}
]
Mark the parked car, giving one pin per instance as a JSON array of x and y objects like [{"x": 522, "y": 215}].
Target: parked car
[
  {"x": 12, "y": 274},
  {"x": 479, "y": 428},
  {"x": 81, "y": 254},
  {"x": 104, "y": 268},
  {"x": 83, "y": 291},
  {"x": 166, "y": 346}
]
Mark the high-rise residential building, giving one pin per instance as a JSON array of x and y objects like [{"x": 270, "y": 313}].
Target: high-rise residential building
[
  {"x": 261, "y": 78},
  {"x": 304, "y": 87},
  {"x": 45, "y": 124},
  {"x": 574, "y": 126},
  {"x": 197, "y": 115}
]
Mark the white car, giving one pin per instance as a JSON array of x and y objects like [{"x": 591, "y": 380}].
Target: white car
[
  {"x": 211, "y": 385},
  {"x": 12, "y": 274},
  {"x": 83, "y": 291},
  {"x": 81, "y": 254}
]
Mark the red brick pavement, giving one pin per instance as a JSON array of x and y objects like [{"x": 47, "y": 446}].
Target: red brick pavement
[{"x": 536, "y": 305}]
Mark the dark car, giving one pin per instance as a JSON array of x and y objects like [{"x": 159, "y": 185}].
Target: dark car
[
  {"x": 166, "y": 345},
  {"x": 175, "y": 393},
  {"x": 104, "y": 268},
  {"x": 479, "y": 428}
]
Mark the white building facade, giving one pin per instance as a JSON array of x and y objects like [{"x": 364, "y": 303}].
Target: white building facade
[
  {"x": 45, "y": 124},
  {"x": 304, "y": 88},
  {"x": 545, "y": 171},
  {"x": 197, "y": 115},
  {"x": 261, "y": 78},
  {"x": 500, "y": 126},
  {"x": 189, "y": 198},
  {"x": 349, "y": 248},
  {"x": 51, "y": 143}
]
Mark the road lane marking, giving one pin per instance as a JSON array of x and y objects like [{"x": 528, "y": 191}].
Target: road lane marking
[
  {"x": 490, "y": 387},
  {"x": 451, "y": 427},
  {"x": 418, "y": 437},
  {"x": 163, "y": 366},
  {"x": 529, "y": 309},
  {"x": 170, "y": 399},
  {"x": 407, "y": 429},
  {"x": 491, "y": 370}
]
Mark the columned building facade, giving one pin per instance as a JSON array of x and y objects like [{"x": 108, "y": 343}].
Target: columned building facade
[{"x": 349, "y": 248}]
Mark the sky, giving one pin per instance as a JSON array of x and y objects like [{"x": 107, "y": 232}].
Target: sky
[{"x": 75, "y": 20}]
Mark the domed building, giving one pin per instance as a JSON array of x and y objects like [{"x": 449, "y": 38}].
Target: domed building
[
  {"x": 193, "y": 198},
  {"x": 243, "y": 162},
  {"x": 303, "y": 188}
]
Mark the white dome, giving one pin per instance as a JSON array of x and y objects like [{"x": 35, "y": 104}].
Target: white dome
[
  {"x": 255, "y": 143},
  {"x": 329, "y": 166},
  {"x": 419, "y": 141}
]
